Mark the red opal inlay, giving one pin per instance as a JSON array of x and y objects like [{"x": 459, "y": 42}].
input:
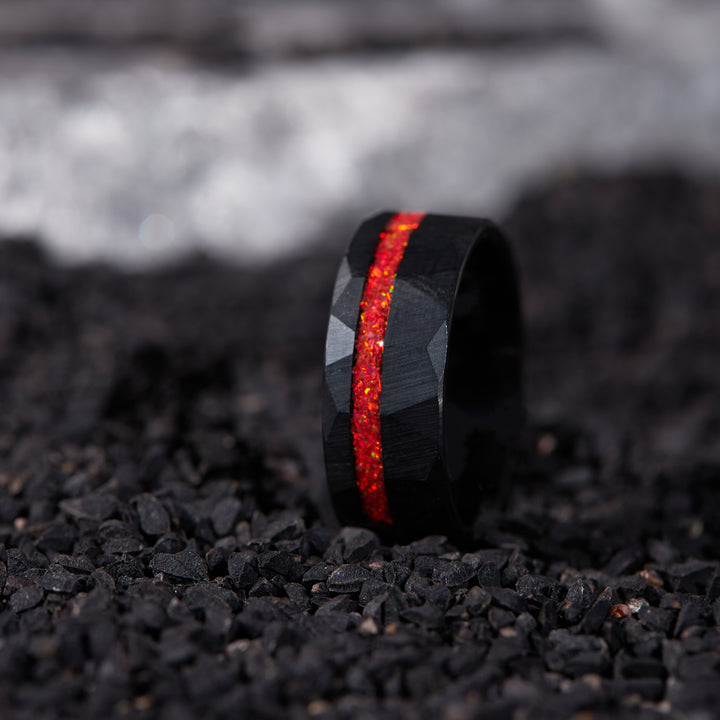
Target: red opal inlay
[{"x": 367, "y": 366}]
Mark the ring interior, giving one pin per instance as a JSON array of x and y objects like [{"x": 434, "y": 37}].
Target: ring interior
[{"x": 483, "y": 406}]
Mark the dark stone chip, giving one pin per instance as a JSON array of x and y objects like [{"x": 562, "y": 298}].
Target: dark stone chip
[
  {"x": 692, "y": 577},
  {"x": 57, "y": 579},
  {"x": 373, "y": 588},
  {"x": 539, "y": 588},
  {"x": 505, "y": 649},
  {"x": 26, "y": 597},
  {"x": 358, "y": 544},
  {"x": 96, "y": 506},
  {"x": 500, "y": 618},
  {"x": 59, "y": 537},
  {"x": 489, "y": 575},
  {"x": 548, "y": 618},
  {"x": 217, "y": 562},
  {"x": 185, "y": 565},
  {"x": 650, "y": 689},
  {"x": 119, "y": 546},
  {"x": 74, "y": 563},
  {"x": 224, "y": 515},
  {"x": 591, "y": 653},
  {"x": 17, "y": 562},
  {"x": 427, "y": 616},
  {"x": 580, "y": 596},
  {"x": 420, "y": 588},
  {"x": 689, "y": 616},
  {"x": 713, "y": 591},
  {"x": 342, "y": 604},
  {"x": 154, "y": 519},
  {"x": 477, "y": 601},
  {"x": 628, "y": 666},
  {"x": 508, "y": 599},
  {"x": 297, "y": 593},
  {"x": 279, "y": 562},
  {"x": 288, "y": 527},
  {"x": 625, "y": 561},
  {"x": 258, "y": 613},
  {"x": 703, "y": 666},
  {"x": 319, "y": 539},
  {"x": 319, "y": 572},
  {"x": 657, "y": 618},
  {"x": 170, "y": 543},
  {"x": 397, "y": 573},
  {"x": 511, "y": 574},
  {"x": 347, "y": 579},
  {"x": 598, "y": 612},
  {"x": 452, "y": 573},
  {"x": 242, "y": 568},
  {"x": 262, "y": 587}
]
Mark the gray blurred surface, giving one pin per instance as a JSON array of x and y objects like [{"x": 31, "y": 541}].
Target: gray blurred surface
[{"x": 246, "y": 130}]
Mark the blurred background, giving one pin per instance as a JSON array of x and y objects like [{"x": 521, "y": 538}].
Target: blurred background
[
  {"x": 138, "y": 136},
  {"x": 134, "y": 132}
]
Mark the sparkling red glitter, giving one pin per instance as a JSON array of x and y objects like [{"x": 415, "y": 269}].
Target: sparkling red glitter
[{"x": 367, "y": 367}]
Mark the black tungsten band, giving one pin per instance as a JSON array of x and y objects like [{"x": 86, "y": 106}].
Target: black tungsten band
[{"x": 448, "y": 382}]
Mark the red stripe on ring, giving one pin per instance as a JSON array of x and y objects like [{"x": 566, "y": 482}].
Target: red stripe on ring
[{"x": 367, "y": 366}]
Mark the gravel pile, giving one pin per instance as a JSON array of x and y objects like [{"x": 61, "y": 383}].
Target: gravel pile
[{"x": 165, "y": 548}]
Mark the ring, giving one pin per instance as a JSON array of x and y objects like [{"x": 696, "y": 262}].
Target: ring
[{"x": 422, "y": 391}]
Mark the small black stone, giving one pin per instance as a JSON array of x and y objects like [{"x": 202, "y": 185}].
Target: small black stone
[
  {"x": 598, "y": 612},
  {"x": 452, "y": 573},
  {"x": 358, "y": 544},
  {"x": 17, "y": 562},
  {"x": 343, "y": 604},
  {"x": 95, "y": 506},
  {"x": 628, "y": 666},
  {"x": 297, "y": 593},
  {"x": 689, "y": 616},
  {"x": 122, "y": 545},
  {"x": 26, "y": 597},
  {"x": 224, "y": 515},
  {"x": 319, "y": 572},
  {"x": 154, "y": 519},
  {"x": 427, "y": 616},
  {"x": 279, "y": 562},
  {"x": 489, "y": 575},
  {"x": 373, "y": 588},
  {"x": 347, "y": 579},
  {"x": 580, "y": 596},
  {"x": 500, "y": 618},
  {"x": 57, "y": 579},
  {"x": 477, "y": 601},
  {"x": 262, "y": 587},
  {"x": 242, "y": 568},
  {"x": 539, "y": 588},
  {"x": 692, "y": 577},
  {"x": 657, "y": 618},
  {"x": 185, "y": 565},
  {"x": 75, "y": 563},
  {"x": 288, "y": 527},
  {"x": 509, "y": 599},
  {"x": 59, "y": 537}
]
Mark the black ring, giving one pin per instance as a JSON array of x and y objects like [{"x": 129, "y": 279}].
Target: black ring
[{"x": 451, "y": 393}]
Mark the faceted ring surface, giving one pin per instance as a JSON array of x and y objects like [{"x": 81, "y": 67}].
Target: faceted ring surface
[{"x": 422, "y": 392}]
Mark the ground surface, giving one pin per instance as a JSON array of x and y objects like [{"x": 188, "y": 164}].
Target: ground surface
[{"x": 165, "y": 543}]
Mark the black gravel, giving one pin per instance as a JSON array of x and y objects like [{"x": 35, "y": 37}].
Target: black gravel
[{"x": 165, "y": 543}]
